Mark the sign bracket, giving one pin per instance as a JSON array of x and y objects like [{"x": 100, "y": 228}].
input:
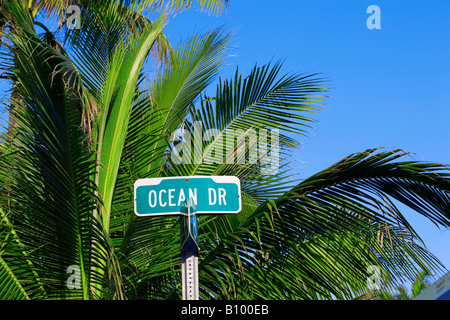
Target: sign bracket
[{"x": 189, "y": 252}]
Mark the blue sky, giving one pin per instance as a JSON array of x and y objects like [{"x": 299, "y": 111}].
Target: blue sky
[{"x": 389, "y": 87}]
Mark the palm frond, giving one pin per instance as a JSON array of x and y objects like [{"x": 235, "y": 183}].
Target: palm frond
[
  {"x": 325, "y": 235},
  {"x": 49, "y": 168},
  {"x": 234, "y": 132},
  {"x": 211, "y": 6},
  {"x": 192, "y": 68},
  {"x": 116, "y": 104}
]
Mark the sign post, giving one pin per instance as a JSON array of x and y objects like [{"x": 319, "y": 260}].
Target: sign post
[
  {"x": 188, "y": 197},
  {"x": 189, "y": 252}
]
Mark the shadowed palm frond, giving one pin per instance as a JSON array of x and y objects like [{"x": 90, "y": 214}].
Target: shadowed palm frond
[
  {"x": 328, "y": 229},
  {"x": 48, "y": 180}
]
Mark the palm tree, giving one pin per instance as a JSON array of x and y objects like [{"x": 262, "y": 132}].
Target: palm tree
[
  {"x": 131, "y": 9},
  {"x": 90, "y": 120}
]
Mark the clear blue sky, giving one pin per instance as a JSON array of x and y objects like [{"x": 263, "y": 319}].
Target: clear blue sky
[{"x": 390, "y": 87}]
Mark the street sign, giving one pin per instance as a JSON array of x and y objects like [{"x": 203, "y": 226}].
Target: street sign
[
  {"x": 168, "y": 196},
  {"x": 187, "y": 197}
]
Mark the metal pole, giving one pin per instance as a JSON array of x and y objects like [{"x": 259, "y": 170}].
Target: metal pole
[
  {"x": 189, "y": 272},
  {"x": 189, "y": 253}
]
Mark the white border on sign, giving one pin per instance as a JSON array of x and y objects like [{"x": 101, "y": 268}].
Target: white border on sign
[{"x": 217, "y": 179}]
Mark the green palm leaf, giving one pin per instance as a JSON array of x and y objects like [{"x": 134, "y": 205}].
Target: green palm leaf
[
  {"x": 114, "y": 117},
  {"x": 49, "y": 169},
  {"x": 325, "y": 235}
]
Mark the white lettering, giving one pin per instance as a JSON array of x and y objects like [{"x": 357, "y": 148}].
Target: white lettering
[
  {"x": 374, "y": 280},
  {"x": 193, "y": 195},
  {"x": 74, "y": 281},
  {"x": 151, "y": 195},
  {"x": 246, "y": 309},
  {"x": 160, "y": 198},
  {"x": 194, "y": 310},
  {"x": 212, "y": 193},
  {"x": 181, "y": 197},
  {"x": 73, "y": 21},
  {"x": 181, "y": 150},
  {"x": 222, "y": 193},
  {"x": 271, "y": 163},
  {"x": 214, "y": 150},
  {"x": 198, "y": 142},
  {"x": 171, "y": 196},
  {"x": 374, "y": 21}
]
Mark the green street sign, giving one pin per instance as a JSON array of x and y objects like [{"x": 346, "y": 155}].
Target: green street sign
[{"x": 168, "y": 196}]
